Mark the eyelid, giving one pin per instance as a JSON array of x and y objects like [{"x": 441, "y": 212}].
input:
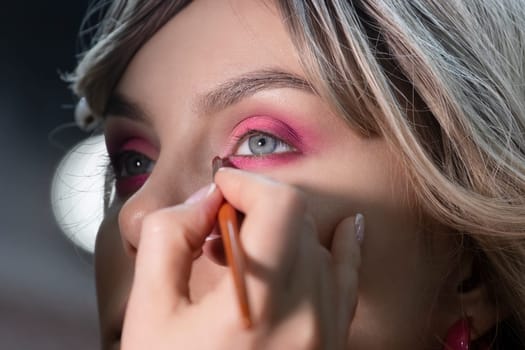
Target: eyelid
[
  {"x": 270, "y": 126},
  {"x": 120, "y": 131},
  {"x": 136, "y": 144}
]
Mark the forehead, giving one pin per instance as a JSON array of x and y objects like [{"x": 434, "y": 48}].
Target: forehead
[{"x": 210, "y": 41}]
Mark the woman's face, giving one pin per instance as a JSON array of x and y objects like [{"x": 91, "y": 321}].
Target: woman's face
[{"x": 223, "y": 78}]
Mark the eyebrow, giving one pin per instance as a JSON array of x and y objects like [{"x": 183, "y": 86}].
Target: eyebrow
[
  {"x": 234, "y": 90},
  {"x": 220, "y": 97},
  {"x": 120, "y": 105}
]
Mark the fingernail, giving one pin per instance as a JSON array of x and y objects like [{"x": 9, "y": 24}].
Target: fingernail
[
  {"x": 214, "y": 234},
  {"x": 218, "y": 163},
  {"x": 212, "y": 237},
  {"x": 201, "y": 194},
  {"x": 359, "y": 227}
]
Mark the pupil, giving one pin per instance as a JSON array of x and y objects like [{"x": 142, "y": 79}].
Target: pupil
[{"x": 261, "y": 142}]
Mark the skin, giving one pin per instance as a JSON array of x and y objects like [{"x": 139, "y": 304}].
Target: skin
[{"x": 394, "y": 291}]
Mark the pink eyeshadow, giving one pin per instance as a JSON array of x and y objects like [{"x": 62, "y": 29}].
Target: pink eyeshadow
[
  {"x": 298, "y": 137},
  {"x": 127, "y": 186},
  {"x": 294, "y": 136},
  {"x": 139, "y": 145}
]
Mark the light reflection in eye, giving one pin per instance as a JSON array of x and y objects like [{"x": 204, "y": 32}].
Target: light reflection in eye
[
  {"x": 78, "y": 191},
  {"x": 132, "y": 163}
]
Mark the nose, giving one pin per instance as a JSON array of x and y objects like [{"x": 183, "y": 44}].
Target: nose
[
  {"x": 156, "y": 193},
  {"x": 131, "y": 215}
]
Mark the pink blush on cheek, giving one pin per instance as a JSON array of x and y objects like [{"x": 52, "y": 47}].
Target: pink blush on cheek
[{"x": 129, "y": 185}]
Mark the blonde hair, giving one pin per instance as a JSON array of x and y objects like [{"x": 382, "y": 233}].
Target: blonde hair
[
  {"x": 460, "y": 129},
  {"x": 442, "y": 81}
]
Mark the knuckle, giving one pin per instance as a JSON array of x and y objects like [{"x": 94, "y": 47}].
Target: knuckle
[
  {"x": 156, "y": 222},
  {"x": 290, "y": 198},
  {"x": 171, "y": 225},
  {"x": 161, "y": 222}
]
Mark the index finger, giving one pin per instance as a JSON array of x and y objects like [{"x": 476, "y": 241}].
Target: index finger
[
  {"x": 274, "y": 215},
  {"x": 169, "y": 239}
]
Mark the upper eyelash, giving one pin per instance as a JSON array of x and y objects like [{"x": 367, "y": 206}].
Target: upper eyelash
[
  {"x": 237, "y": 138},
  {"x": 250, "y": 132},
  {"x": 112, "y": 160}
]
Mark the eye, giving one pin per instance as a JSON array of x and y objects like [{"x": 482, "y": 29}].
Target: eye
[
  {"x": 131, "y": 163},
  {"x": 257, "y": 143},
  {"x": 131, "y": 169}
]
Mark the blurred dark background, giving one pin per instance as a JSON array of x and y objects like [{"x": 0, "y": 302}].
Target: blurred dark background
[{"x": 47, "y": 293}]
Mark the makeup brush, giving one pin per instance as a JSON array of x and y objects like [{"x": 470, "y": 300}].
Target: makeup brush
[{"x": 229, "y": 228}]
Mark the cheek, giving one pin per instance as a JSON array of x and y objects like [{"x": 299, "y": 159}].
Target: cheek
[
  {"x": 113, "y": 268},
  {"x": 363, "y": 177},
  {"x": 386, "y": 217}
]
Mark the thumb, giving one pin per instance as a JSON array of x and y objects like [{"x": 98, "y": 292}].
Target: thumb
[{"x": 168, "y": 242}]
